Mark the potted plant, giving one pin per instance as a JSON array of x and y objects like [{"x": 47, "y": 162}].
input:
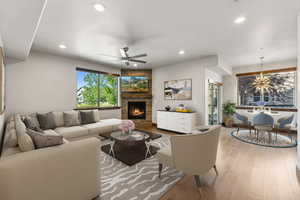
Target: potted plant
[{"x": 228, "y": 111}]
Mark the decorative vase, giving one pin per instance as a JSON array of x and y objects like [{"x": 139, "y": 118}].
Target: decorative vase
[{"x": 168, "y": 108}]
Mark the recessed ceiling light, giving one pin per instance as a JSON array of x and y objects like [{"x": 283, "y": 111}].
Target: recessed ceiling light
[
  {"x": 99, "y": 7},
  {"x": 181, "y": 52},
  {"x": 240, "y": 20},
  {"x": 135, "y": 65},
  {"x": 62, "y": 46}
]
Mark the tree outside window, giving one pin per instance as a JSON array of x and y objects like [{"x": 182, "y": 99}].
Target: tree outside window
[{"x": 95, "y": 89}]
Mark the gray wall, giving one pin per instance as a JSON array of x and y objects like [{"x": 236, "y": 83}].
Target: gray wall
[
  {"x": 196, "y": 70},
  {"x": 47, "y": 82}
]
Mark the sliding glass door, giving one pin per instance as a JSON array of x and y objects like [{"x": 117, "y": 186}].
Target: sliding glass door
[{"x": 214, "y": 107}]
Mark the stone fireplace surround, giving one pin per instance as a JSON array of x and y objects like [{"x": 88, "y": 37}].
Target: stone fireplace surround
[{"x": 138, "y": 97}]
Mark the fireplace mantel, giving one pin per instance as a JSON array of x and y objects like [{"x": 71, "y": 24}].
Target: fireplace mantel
[{"x": 136, "y": 96}]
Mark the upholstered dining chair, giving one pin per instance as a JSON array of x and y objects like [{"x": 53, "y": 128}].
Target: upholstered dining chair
[
  {"x": 241, "y": 121},
  {"x": 284, "y": 124},
  {"x": 263, "y": 122},
  {"x": 194, "y": 154}
]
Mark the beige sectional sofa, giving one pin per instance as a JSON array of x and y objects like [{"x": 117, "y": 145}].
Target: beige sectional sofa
[{"x": 67, "y": 171}]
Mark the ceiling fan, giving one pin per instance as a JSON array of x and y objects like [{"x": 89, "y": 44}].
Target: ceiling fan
[{"x": 127, "y": 59}]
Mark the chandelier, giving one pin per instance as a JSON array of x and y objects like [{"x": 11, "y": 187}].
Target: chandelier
[{"x": 262, "y": 83}]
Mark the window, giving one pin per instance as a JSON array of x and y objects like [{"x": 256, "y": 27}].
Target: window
[
  {"x": 97, "y": 89},
  {"x": 281, "y": 93}
]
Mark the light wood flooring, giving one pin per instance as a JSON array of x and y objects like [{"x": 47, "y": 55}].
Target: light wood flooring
[{"x": 246, "y": 172}]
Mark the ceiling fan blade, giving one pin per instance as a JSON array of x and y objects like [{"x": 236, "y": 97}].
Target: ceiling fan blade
[
  {"x": 123, "y": 52},
  {"x": 138, "y": 61},
  {"x": 139, "y": 56}
]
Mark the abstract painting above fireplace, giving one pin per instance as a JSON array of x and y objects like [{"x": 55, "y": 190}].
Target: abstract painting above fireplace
[{"x": 137, "y": 110}]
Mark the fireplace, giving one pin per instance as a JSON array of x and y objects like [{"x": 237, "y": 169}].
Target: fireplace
[{"x": 137, "y": 110}]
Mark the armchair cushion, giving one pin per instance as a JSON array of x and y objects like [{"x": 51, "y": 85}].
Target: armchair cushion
[{"x": 165, "y": 156}]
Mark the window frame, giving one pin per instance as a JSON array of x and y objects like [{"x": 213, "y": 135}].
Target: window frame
[
  {"x": 278, "y": 108},
  {"x": 98, "y": 89}
]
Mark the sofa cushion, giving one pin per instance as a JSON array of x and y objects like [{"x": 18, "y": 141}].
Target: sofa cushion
[
  {"x": 59, "y": 119},
  {"x": 87, "y": 117},
  {"x": 115, "y": 123},
  {"x": 24, "y": 141},
  {"x": 42, "y": 140},
  {"x": 104, "y": 126},
  {"x": 46, "y": 120},
  {"x": 10, "y": 135},
  {"x": 71, "y": 118},
  {"x": 97, "y": 128},
  {"x": 72, "y": 132}
]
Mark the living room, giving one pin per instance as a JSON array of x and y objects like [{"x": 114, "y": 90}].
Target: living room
[{"x": 110, "y": 100}]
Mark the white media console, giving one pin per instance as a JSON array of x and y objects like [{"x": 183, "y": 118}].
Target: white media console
[{"x": 176, "y": 121}]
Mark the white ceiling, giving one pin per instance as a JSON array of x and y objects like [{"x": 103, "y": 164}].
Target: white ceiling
[
  {"x": 162, "y": 27},
  {"x": 18, "y": 23}
]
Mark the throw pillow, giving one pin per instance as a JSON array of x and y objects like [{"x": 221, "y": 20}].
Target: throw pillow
[
  {"x": 24, "y": 141},
  {"x": 97, "y": 115},
  {"x": 87, "y": 117},
  {"x": 31, "y": 123},
  {"x": 46, "y": 120},
  {"x": 71, "y": 118},
  {"x": 42, "y": 140},
  {"x": 59, "y": 119}
]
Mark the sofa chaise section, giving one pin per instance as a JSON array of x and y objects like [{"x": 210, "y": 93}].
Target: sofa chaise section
[{"x": 68, "y": 171}]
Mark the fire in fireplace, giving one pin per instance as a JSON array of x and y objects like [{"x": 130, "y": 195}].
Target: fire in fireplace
[{"x": 136, "y": 110}]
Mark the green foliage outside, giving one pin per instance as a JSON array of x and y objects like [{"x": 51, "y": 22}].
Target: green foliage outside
[
  {"x": 229, "y": 108},
  {"x": 99, "y": 90}
]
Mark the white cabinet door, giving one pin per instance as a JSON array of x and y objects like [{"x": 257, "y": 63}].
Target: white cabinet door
[{"x": 162, "y": 120}]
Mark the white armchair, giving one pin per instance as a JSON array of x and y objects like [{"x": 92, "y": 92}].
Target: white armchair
[{"x": 194, "y": 154}]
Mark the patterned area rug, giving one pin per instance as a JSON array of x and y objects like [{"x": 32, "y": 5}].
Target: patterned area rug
[
  {"x": 281, "y": 142},
  {"x": 137, "y": 182}
]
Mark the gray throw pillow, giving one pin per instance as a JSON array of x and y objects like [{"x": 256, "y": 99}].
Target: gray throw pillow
[
  {"x": 87, "y": 117},
  {"x": 71, "y": 118},
  {"x": 32, "y": 123},
  {"x": 42, "y": 140},
  {"x": 46, "y": 120}
]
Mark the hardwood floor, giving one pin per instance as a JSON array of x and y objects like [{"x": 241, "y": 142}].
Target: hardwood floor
[{"x": 246, "y": 172}]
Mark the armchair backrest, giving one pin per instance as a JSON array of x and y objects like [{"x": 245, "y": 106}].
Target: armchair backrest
[{"x": 196, "y": 153}]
